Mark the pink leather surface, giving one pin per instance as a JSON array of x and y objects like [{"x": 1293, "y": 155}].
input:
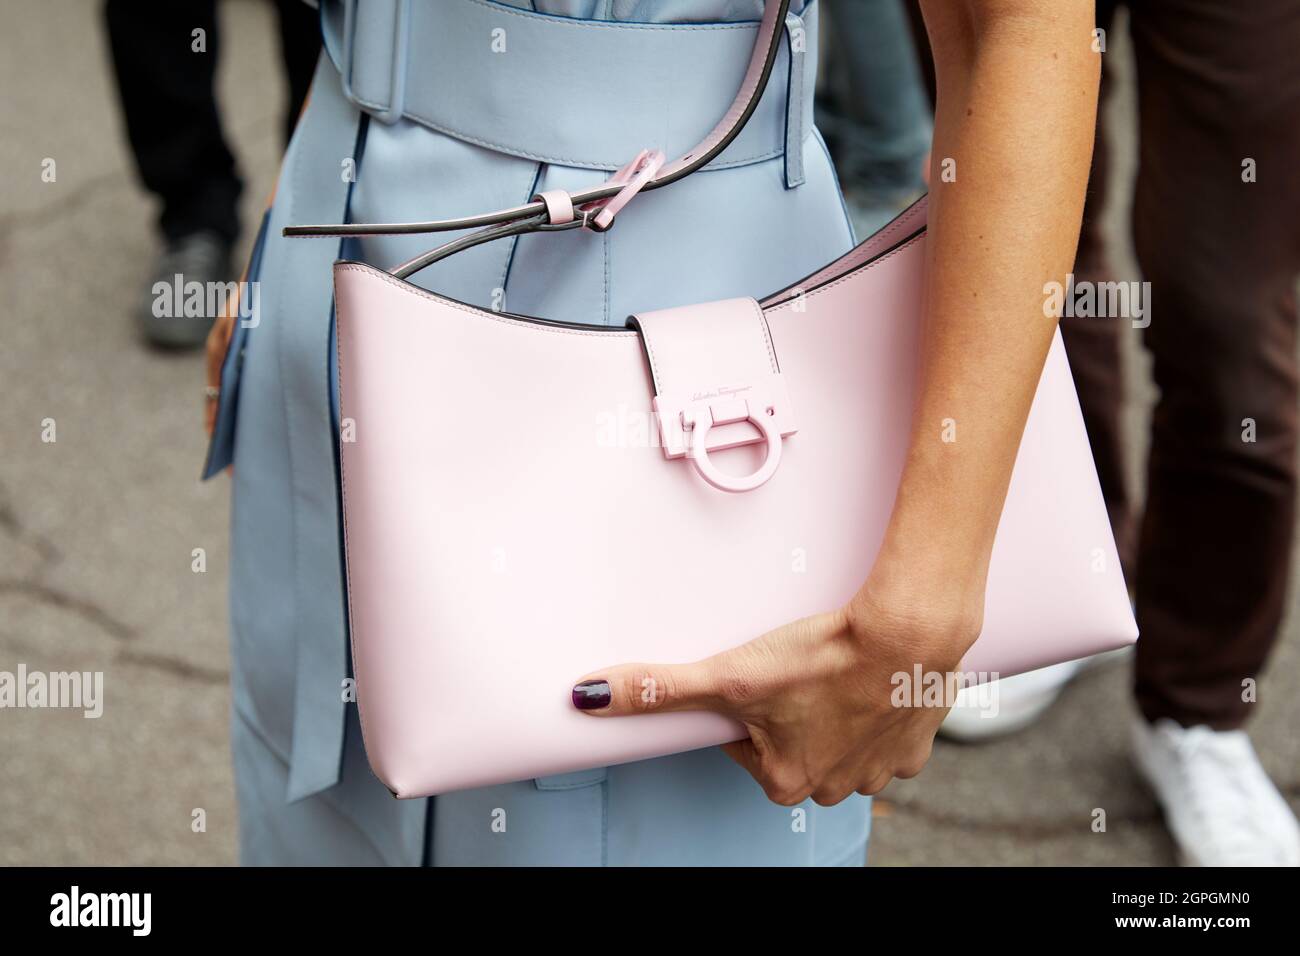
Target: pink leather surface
[
  {"x": 634, "y": 175},
  {"x": 710, "y": 352},
  {"x": 501, "y": 545},
  {"x": 699, "y": 345}
]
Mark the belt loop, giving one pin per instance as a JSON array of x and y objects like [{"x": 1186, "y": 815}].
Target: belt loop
[
  {"x": 345, "y": 55},
  {"x": 796, "y": 117},
  {"x": 397, "y": 77}
]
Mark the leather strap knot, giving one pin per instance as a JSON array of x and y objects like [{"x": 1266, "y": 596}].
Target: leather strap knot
[{"x": 599, "y": 215}]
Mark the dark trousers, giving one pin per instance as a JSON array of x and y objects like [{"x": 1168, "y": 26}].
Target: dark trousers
[
  {"x": 170, "y": 107},
  {"x": 1209, "y": 554}
]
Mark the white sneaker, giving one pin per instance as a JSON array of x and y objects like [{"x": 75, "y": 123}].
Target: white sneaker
[
  {"x": 1008, "y": 705},
  {"x": 1219, "y": 804}
]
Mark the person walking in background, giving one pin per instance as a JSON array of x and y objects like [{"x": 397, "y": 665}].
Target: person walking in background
[
  {"x": 165, "y": 59},
  {"x": 874, "y": 109},
  {"x": 1216, "y": 224}
]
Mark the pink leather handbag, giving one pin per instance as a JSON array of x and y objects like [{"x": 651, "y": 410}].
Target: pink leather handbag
[{"x": 472, "y": 560}]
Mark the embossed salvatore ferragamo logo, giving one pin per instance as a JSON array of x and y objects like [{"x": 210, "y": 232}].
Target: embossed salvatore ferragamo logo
[{"x": 722, "y": 392}]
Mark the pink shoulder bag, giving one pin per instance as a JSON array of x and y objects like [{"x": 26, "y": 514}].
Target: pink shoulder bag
[{"x": 472, "y": 424}]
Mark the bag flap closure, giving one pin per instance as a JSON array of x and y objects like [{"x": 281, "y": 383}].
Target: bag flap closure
[{"x": 717, "y": 382}]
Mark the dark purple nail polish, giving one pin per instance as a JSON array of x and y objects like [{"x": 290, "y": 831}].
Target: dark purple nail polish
[{"x": 591, "y": 695}]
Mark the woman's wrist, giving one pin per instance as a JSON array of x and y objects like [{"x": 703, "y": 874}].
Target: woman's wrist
[
  {"x": 932, "y": 566},
  {"x": 926, "y": 591}
]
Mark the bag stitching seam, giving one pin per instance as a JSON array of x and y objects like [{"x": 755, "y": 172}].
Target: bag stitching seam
[{"x": 763, "y": 331}]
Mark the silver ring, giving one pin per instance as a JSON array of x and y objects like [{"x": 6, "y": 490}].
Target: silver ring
[{"x": 212, "y": 391}]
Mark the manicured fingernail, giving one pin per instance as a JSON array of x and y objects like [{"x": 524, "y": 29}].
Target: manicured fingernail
[{"x": 591, "y": 695}]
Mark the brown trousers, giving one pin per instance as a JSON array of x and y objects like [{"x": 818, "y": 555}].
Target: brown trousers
[{"x": 1218, "y": 84}]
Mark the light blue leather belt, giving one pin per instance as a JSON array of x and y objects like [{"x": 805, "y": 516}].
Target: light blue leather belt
[{"x": 571, "y": 92}]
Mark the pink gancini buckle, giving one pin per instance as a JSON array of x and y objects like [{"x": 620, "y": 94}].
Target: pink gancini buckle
[
  {"x": 697, "y": 426},
  {"x": 689, "y": 350}
]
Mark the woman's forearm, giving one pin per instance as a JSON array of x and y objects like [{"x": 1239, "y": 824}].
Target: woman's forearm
[
  {"x": 1017, "y": 101},
  {"x": 1017, "y": 94}
]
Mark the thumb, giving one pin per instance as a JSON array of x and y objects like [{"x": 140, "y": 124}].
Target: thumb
[{"x": 648, "y": 688}]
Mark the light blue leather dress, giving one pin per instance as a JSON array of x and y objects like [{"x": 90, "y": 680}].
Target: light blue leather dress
[{"x": 424, "y": 110}]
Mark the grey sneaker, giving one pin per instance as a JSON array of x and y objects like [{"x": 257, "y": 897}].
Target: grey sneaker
[{"x": 188, "y": 289}]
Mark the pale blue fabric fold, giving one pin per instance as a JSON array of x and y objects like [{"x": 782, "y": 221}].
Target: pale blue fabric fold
[{"x": 285, "y": 442}]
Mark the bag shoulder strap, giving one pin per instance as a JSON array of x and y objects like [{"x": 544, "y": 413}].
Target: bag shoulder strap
[{"x": 534, "y": 216}]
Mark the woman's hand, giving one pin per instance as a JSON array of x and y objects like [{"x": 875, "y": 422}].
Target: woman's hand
[
  {"x": 817, "y": 696},
  {"x": 1017, "y": 96},
  {"x": 217, "y": 344}
]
